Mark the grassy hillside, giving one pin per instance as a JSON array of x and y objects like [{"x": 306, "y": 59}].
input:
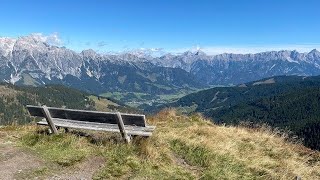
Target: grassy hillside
[
  {"x": 287, "y": 102},
  {"x": 181, "y": 148},
  {"x": 13, "y": 100}
]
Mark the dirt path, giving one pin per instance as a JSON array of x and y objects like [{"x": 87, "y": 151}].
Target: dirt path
[
  {"x": 84, "y": 170},
  {"x": 17, "y": 163},
  {"x": 14, "y": 161}
]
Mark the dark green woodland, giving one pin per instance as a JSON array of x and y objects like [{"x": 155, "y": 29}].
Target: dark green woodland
[{"x": 286, "y": 102}]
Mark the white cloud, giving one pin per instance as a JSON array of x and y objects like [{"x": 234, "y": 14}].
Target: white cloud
[
  {"x": 156, "y": 49},
  {"x": 151, "y": 51},
  {"x": 141, "y": 52},
  {"x": 101, "y": 44},
  {"x": 52, "y": 39}
]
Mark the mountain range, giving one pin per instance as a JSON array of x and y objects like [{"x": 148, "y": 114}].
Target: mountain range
[{"x": 29, "y": 61}]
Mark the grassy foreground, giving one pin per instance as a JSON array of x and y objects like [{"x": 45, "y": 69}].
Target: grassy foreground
[{"x": 181, "y": 148}]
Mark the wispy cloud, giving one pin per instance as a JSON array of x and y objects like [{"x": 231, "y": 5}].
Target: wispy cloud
[
  {"x": 248, "y": 49},
  {"x": 156, "y": 49},
  {"x": 151, "y": 51},
  {"x": 125, "y": 46},
  {"x": 52, "y": 39},
  {"x": 102, "y": 44}
]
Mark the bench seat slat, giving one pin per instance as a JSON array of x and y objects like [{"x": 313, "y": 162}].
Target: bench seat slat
[
  {"x": 147, "y": 128},
  {"x": 131, "y": 130}
]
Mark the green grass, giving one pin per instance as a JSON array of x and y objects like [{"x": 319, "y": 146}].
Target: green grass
[
  {"x": 135, "y": 99},
  {"x": 174, "y": 96},
  {"x": 124, "y": 96},
  {"x": 114, "y": 95},
  {"x": 63, "y": 149},
  {"x": 120, "y": 161},
  {"x": 195, "y": 155},
  {"x": 187, "y": 109},
  {"x": 215, "y": 166},
  {"x": 124, "y": 161}
]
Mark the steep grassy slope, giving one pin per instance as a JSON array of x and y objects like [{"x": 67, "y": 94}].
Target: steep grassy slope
[
  {"x": 181, "y": 148},
  {"x": 298, "y": 111}
]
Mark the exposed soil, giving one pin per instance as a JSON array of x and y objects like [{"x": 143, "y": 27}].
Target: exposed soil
[
  {"x": 14, "y": 160},
  {"x": 18, "y": 163},
  {"x": 84, "y": 170}
]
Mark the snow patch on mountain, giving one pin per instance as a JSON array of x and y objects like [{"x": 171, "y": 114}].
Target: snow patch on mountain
[
  {"x": 14, "y": 78},
  {"x": 6, "y": 46}
]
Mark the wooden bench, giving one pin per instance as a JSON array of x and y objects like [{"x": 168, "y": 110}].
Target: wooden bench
[{"x": 126, "y": 124}]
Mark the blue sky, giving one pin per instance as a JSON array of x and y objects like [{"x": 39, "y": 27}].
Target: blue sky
[{"x": 172, "y": 25}]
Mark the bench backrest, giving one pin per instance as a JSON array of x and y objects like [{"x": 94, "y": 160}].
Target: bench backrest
[{"x": 90, "y": 116}]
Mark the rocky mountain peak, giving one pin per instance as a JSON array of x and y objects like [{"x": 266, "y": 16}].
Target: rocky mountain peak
[
  {"x": 200, "y": 53},
  {"x": 194, "y": 53},
  {"x": 6, "y": 46},
  {"x": 42, "y": 61},
  {"x": 89, "y": 54},
  {"x": 314, "y": 52},
  {"x": 314, "y": 56}
]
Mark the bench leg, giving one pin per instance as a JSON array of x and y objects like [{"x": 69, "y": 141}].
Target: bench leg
[
  {"x": 49, "y": 120},
  {"x": 122, "y": 130}
]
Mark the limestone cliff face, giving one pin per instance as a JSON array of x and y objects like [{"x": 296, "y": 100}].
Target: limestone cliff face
[{"x": 29, "y": 57}]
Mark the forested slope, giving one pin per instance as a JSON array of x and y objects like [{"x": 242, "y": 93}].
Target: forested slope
[
  {"x": 287, "y": 102},
  {"x": 13, "y": 100}
]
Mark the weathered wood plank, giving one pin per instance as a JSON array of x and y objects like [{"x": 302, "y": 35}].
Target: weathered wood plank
[
  {"x": 92, "y": 116},
  {"x": 49, "y": 120},
  {"x": 35, "y": 111},
  {"x": 131, "y": 130},
  {"x": 86, "y": 111},
  {"x": 94, "y": 124}
]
